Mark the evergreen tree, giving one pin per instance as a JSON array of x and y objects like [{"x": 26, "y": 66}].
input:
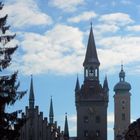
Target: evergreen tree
[{"x": 9, "y": 94}]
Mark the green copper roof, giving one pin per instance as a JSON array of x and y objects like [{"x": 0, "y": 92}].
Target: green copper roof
[{"x": 122, "y": 84}]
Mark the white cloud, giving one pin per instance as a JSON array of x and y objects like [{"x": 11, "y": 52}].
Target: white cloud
[
  {"x": 104, "y": 28},
  {"x": 73, "y": 118},
  {"x": 135, "y": 28},
  {"x": 83, "y": 17},
  {"x": 59, "y": 51},
  {"x": 25, "y": 13},
  {"x": 116, "y": 49},
  {"x": 121, "y": 19},
  {"x": 110, "y": 118},
  {"x": 67, "y": 5}
]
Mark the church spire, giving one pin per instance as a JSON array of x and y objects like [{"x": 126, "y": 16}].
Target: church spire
[
  {"x": 51, "y": 114},
  {"x": 91, "y": 62},
  {"x": 91, "y": 53},
  {"x": 66, "y": 128},
  {"x": 77, "y": 87},
  {"x": 31, "y": 96}
]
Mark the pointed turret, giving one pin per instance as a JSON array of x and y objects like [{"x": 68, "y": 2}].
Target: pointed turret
[
  {"x": 66, "y": 128},
  {"x": 91, "y": 62},
  {"x": 51, "y": 114},
  {"x": 31, "y": 96},
  {"x": 77, "y": 87},
  {"x": 105, "y": 85},
  {"x": 91, "y": 53}
]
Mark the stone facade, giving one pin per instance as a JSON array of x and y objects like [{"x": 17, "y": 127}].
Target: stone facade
[
  {"x": 91, "y": 98},
  {"x": 37, "y": 127},
  {"x": 121, "y": 106}
]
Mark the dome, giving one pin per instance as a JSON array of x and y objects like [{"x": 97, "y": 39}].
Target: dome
[{"x": 122, "y": 85}]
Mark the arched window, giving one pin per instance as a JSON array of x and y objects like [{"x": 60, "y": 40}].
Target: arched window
[
  {"x": 91, "y": 72},
  {"x": 96, "y": 72}
]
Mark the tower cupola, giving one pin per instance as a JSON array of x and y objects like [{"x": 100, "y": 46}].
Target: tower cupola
[{"x": 122, "y": 85}]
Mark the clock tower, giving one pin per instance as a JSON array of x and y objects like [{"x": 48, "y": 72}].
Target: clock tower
[{"x": 91, "y": 98}]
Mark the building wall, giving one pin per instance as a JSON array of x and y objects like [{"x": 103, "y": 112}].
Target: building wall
[
  {"x": 92, "y": 119},
  {"x": 36, "y": 127},
  {"x": 122, "y": 113}
]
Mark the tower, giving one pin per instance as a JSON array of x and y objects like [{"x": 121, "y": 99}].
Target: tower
[
  {"x": 66, "y": 129},
  {"x": 121, "y": 106},
  {"x": 51, "y": 114},
  {"x": 31, "y": 95},
  {"x": 91, "y": 99}
]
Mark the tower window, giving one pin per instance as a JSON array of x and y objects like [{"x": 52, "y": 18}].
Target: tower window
[
  {"x": 123, "y": 102},
  {"x": 96, "y": 72},
  {"x": 98, "y": 119},
  {"x": 97, "y": 133},
  {"x": 86, "y": 119},
  {"x": 91, "y": 72},
  {"x": 85, "y": 133},
  {"x": 123, "y": 116},
  {"x": 86, "y": 73}
]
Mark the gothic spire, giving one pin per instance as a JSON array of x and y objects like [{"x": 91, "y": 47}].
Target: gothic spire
[
  {"x": 91, "y": 53},
  {"x": 105, "y": 85},
  {"x": 77, "y": 87},
  {"x": 66, "y": 128},
  {"x": 31, "y": 96},
  {"x": 51, "y": 114}
]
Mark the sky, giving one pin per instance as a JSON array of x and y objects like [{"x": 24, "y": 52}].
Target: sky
[{"x": 52, "y": 36}]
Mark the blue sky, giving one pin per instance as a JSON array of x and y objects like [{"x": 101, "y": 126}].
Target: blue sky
[{"x": 52, "y": 37}]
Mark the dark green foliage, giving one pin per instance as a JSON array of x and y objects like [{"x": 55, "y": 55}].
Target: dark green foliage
[{"x": 9, "y": 94}]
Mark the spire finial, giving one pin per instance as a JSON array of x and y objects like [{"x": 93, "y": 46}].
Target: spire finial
[
  {"x": 31, "y": 96},
  {"x": 122, "y": 73},
  {"x": 51, "y": 114},
  {"x": 66, "y": 128}
]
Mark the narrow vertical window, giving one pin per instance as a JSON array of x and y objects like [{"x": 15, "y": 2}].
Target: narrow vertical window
[
  {"x": 97, "y": 133},
  {"x": 86, "y": 119},
  {"x": 85, "y": 133},
  {"x": 123, "y": 116},
  {"x": 98, "y": 119}
]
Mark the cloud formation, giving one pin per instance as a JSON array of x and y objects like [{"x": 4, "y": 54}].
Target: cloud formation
[
  {"x": 85, "y": 16},
  {"x": 116, "y": 18},
  {"x": 67, "y": 5},
  {"x": 25, "y": 13},
  {"x": 60, "y": 51}
]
